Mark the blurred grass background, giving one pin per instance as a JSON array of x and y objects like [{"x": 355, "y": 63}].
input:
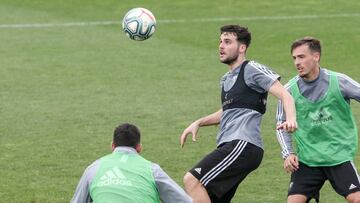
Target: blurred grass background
[{"x": 63, "y": 89}]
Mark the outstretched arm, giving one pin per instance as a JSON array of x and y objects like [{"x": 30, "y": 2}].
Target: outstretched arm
[
  {"x": 290, "y": 125},
  {"x": 212, "y": 119},
  {"x": 291, "y": 162}
]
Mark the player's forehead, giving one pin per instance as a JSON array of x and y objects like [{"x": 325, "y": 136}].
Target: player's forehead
[
  {"x": 228, "y": 35},
  {"x": 301, "y": 50}
]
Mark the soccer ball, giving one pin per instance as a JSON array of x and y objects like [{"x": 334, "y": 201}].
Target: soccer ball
[{"x": 139, "y": 24}]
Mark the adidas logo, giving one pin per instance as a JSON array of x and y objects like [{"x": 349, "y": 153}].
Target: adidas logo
[
  {"x": 352, "y": 186},
  {"x": 198, "y": 170},
  {"x": 113, "y": 176}
]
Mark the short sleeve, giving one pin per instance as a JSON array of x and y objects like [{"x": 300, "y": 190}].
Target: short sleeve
[{"x": 259, "y": 77}]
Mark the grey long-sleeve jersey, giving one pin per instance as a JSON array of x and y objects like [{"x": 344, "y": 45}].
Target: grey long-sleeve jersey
[
  {"x": 314, "y": 90},
  {"x": 169, "y": 190}
]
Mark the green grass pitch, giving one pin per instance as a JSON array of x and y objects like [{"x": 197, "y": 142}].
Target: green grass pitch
[{"x": 63, "y": 87}]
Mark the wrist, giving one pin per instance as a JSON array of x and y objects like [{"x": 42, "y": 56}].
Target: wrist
[
  {"x": 285, "y": 156},
  {"x": 199, "y": 123}
]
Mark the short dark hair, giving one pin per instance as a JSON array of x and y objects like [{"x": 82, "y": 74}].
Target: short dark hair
[
  {"x": 242, "y": 33},
  {"x": 313, "y": 44},
  {"x": 126, "y": 134}
]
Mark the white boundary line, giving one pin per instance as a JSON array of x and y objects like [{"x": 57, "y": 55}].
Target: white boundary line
[{"x": 219, "y": 19}]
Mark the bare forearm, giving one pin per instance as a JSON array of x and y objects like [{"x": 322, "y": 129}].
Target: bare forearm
[
  {"x": 212, "y": 119},
  {"x": 289, "y": 106},
  {"x": 290, "y": 125},
  {"x": 193, "y": 128}
]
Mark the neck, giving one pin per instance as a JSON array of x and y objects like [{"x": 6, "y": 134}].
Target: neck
[
  {"x": 237, "y": 63},
  {"x": 312, "y": 75}
]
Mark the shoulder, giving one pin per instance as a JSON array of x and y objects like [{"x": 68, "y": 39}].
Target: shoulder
[
  {"x": 156, "y": 168},
  {"x": 330, "y": 72},
  {"x": 339, "y": 75},
  {"x": 158, "y": 172},
  {"x": 223, "y": 78},
  {"x": 89, "y": 173},
  {"x": 254, "y": 67},
  {"x": 342, "y": 78},
  {"x": 292, "y": 82},
  {"x": 92, "y": 168},
  {"x": 257, "y": 66}
]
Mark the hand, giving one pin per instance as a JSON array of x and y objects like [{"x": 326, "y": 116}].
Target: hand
[
  {"x": 287, "y": 126},
  {"x": 291, "y": 163},
  {"x": 193, "y": 129}
]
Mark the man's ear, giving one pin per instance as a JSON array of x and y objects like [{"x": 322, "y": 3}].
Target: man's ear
[
  {"x": 242, "y": 48},
  {"x": 112, "y": 146},
  {"x": 316, "y": 56},
  {"x": 138, "y": 148}
]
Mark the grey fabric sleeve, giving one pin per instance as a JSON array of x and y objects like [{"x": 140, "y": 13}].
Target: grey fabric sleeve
[
  {"x": 168, "y": 189},
  {"x": 259, "y": 77},
  {"x": 284, "y": 138},
  {"x": 350, "y": 89},
  {"x": 82, "y": 194}
]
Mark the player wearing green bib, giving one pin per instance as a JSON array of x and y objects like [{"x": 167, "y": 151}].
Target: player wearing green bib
[
  {"x": 124, "y": 176},
  {"x": 326, "y": 138}
]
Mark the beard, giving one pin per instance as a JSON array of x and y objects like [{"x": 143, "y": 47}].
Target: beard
[{"x": 229, "y": 60}]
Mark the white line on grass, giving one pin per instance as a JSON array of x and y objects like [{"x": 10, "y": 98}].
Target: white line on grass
[{"x": 218, "y": 19}]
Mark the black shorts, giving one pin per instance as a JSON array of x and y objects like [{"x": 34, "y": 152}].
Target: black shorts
[
  {"x": 309, "y": 180},
  {"x": 223, "y": 169}
]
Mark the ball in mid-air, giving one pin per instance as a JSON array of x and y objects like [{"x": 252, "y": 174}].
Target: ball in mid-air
[{"x": 139, "y": 24}]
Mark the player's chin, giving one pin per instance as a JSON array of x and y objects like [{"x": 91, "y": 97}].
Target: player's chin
[
  {"x": 302, "y": 73},
  {"x": 225, "y": 61}
]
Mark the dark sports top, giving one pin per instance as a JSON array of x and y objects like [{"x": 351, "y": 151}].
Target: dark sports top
[{"x": 242, "y": 96}]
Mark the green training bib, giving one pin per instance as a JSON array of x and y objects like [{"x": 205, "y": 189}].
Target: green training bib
[
  {"x": 327, "y": 133},
  {"x": 124, "y": 177}
]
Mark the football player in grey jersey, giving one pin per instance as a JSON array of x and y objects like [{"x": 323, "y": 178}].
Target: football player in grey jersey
[{"x": 243, "y": 96}]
